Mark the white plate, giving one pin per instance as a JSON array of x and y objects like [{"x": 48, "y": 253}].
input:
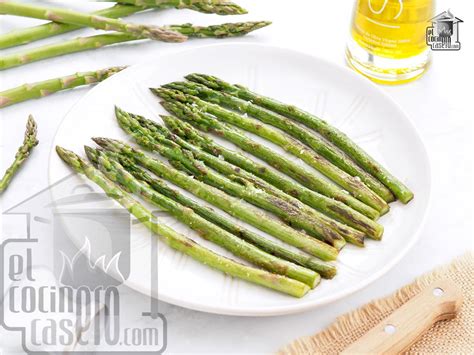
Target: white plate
[{"x": 345, "y": 99}]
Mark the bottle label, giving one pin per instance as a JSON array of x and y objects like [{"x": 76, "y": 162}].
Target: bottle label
[{"x": 392, "y": 28}]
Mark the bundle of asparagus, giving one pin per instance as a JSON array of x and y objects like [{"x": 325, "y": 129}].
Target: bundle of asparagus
[
  {"x": 317, "y": 216},
  {"x": 117, "y": 173},
  {"x": 157, "y": 138},
  {"x": 232, "y": 205},
  {"x": 178, "y": 241},
  {"x": 107, "y": 19},
  {"x": 330, "y": 133},
  {"x": 205, "y": 101}
]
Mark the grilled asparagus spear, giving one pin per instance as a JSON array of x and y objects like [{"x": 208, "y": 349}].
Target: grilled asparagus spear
[
  {"x": 178, "y": 241},
  {"x": 326, "y": 130},
  {"x": 116, "y": 173},
  {"x": 231, "y": 205},
  {"x": 328, "y": 206}
]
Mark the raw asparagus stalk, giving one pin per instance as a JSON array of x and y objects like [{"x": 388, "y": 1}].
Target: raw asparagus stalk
[
  {"x": 353, "y": 185},
  {"x": 224, "y": 30},
  {"x": 328, "y": 206},
  {"x": 325, "y": 269},
  {"x": 29, "y": 142},
  {"x": 161, "y": 134},
  {"x": 303, "y": 134},
  {"x": 240, "y": 248},
  {"x": 93, "y": 42},
  {"x": 88, "y": 20},
  {"x": 30, "y": 34},
  {"x": 326, "y": 130},
  {"x": 245, "y": 189},
  {"x": 208, "y": 123},
  {"x": 229, "y": 204},
  {"x": 48, "y": 87},
  {"x": 178, "y": 241},
  {"x": 207, "y": 6}
]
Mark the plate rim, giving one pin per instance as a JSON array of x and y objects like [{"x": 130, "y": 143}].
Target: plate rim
[{"x": 299, "y": 307}]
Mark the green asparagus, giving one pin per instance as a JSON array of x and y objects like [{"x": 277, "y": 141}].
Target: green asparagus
[
  {"x": 31, "y": 34},
  {"x": 306, "y": 136},
  {"x": 353, "y": 185},
  {"x": 29, "y": 142},
  {"x": 244, "y": 189},
  {"x": 224, "y": 30},
  {"x": 47, "y": 87},
  {"x": 219, "y": 7},
  {"x": 328, "y": 206},
  {"x": 329, "y": 132},
  {"x": 325, "y": 269},
  {"x": 240, "y": 248},
  {"x": 93, "y": 42},
  {"x": 161, "y": 135},
  {"x": 208, "y": 123},
  {"x": 178, "y": 241},
  {"x": 229, "y": 204},
  {"x": 84, "y": 19}
]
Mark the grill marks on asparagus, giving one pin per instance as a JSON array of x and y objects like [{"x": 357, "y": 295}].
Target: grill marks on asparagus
[
  {"x": 353, "y": 185},
  {"x": 323, "y": 148},
  {"x": 331, "y": 133},
  {"x": 233, "y": 172},
  {"x": 115, "y": 172},
  {"x": 223, "y": 176},
  {"x": 328, "y": 206},
  {"x": 178, "y": 241},
  {"x": 222, "y": 200},
  {"x": 294, "y": 215},
  {"x": 326, "y": 270},
  {"x": 208, "y": 123}
]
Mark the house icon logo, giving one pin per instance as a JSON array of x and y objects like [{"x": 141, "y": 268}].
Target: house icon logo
[{"x": 443, "y": 34}]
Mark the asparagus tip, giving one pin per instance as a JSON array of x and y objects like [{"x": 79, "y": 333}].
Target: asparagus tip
[
  {"x": 165, "y": 93},
  {"x": 119, "y": 111},
  {"x": 99, "y": 140},
  {"x": 31, "y": 132},
  {"x": 61, "y": 151},
  {"x": 92, "y": 154},
  {"x": 194, "y": 76},
  {"x": 107, "y": 72},
  {"x": 70, "y": 158}
]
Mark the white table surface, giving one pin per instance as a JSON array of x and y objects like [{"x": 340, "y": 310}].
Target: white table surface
[{"x": 438, "y": 104}]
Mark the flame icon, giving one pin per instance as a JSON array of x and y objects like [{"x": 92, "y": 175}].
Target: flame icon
[{"x": 80, "y": 270}]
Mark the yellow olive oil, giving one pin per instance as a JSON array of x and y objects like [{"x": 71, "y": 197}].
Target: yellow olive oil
[{"x": 388, "y": 39}]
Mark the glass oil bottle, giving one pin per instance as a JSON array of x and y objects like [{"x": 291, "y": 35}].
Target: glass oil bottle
[{"x": 388, "y": 39}]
